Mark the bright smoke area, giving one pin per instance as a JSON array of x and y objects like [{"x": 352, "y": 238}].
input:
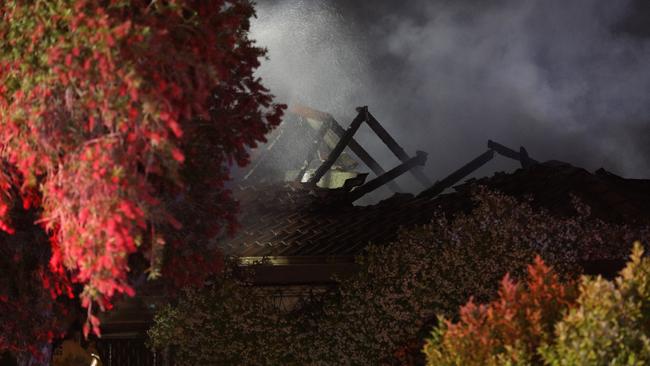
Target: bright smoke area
[{"x": 567, "y": 80}]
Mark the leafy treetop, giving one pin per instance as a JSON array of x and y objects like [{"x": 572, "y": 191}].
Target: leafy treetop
[
  {"x": 546, "y": 322},
  {"x": 118, "y": 119}
]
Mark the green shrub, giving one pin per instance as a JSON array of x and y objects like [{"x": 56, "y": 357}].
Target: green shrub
[
  {"x": 436, "y": 268},
  {"x": 611, "y": 325},
  {"x": 508, "y": 330},
  {"x": 541, "y": 324},
  {"x": 227, "y": 322}
]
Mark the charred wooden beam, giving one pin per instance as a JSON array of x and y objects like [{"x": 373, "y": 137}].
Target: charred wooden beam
[
  {"x": 356, "y": 148},
  {"x": 459, "y": 174},
  {"x": 311, "y": 154},
  {"x": 524, "y": 159},
  {"x": 419, "y": 160},
  {"x": 340, "y": 146},
  {"x": 396, "y": 148},
  {"x": 363, "y": 155}
]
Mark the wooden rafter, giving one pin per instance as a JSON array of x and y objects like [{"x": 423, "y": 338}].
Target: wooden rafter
[
  {"x": 340, "y": 146},
  {"x": 346, "y": 139},
  {"x": 459, "y": 174},
  {"x": 354, "y": 146},
  {"x": 396, "y": 149},
  {"x": 521, "y": 156},
  {"x": 419, "y": 160}
]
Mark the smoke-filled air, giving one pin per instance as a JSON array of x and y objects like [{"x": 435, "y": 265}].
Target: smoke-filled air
[{"x": 446, "y": 76}]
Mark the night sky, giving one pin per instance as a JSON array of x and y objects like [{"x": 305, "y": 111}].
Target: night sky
[{"x": 569, "y": 80}]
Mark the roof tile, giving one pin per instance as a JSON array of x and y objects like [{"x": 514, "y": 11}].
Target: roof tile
[{"x": 295, "y": 220}]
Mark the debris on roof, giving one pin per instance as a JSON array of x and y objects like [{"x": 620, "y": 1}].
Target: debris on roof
[
  {"x": 327, "y": 146},
  {"x": 318, "y": 118},
  {"x": 298, "y": 220},
  {"x": 346, "y": 139}
]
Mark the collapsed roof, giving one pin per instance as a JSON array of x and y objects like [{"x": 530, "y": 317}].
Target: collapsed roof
[
  {"x": 304, "y": 222},
  {"x": 293, "y": 219},
  {"x": 308, "y": 233},
  {"x": 311, "y": 146}
]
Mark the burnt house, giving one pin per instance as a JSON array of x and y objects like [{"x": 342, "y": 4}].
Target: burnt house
[{"x": 300, "y": 229}]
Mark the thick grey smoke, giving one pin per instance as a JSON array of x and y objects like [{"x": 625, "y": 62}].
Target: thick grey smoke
[
  {"x": 315, "y": 58},
  {"x": 566, "y": 79}
]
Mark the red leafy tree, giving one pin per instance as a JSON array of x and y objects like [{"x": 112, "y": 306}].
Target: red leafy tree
[
  {"x": 509, "y": 329},
  {"x": 29, "y": 316},
  {"x": 118, "y": 121}
]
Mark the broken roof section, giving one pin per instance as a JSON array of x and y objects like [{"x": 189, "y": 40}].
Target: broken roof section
[
  {"x": 312, "y": 147},
  {"x": 299, "y": 226},
  {"x": 284, "y": 157},
  {"x": 346, "y": 139},
  {"x": 326, "y": 149},
  {"x": 326, "y": 124},
  {"x": 290, "y": 221}
]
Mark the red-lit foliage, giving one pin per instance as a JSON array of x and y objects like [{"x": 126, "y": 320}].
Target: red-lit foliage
[
  {"x": 118, "y": 120},
  {"x": 29, "y": 315},
  {"x": 509, "y": 329}
]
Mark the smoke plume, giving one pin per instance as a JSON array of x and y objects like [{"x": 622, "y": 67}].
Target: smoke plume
[{"x": 569, "y": 80}]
